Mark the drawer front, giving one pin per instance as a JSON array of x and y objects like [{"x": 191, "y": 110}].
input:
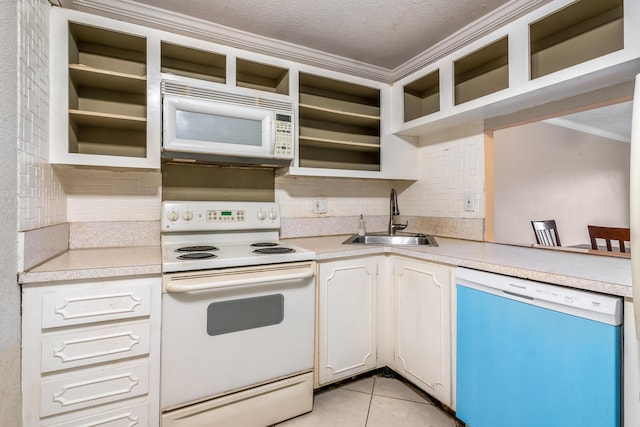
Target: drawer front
[
  {"x": 111, "y": 301},
  {"x": 130, "y": 416},
  {"x": 93, "y": 388},
  {"x": 74, "y": 349}
]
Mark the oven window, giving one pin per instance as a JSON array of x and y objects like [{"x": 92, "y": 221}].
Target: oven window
[{"x": 246, "y": 313}]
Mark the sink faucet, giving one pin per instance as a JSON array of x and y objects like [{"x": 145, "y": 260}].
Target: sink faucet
[{"x": 394, "y": 211}]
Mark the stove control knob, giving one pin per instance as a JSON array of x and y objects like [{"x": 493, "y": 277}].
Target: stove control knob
[
  {"x": 187, "y": 215},
  {"x": 262, "y": 215},
  {"x": 273, "y": 214},
  {"x": 173, "y": 216}
]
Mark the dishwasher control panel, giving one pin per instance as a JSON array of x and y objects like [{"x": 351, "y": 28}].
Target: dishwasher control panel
[{"x": 582, "y": 303}]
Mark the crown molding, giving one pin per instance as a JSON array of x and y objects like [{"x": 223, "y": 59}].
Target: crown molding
[
  {"x": 498, "y": 18},
  {"x": 130, "y": 11}
]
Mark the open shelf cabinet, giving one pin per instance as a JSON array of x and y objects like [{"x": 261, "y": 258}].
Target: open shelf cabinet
[
  {"x": 482, "y": 72},
  {"x": 195, "y": 63},
  {"x": 422, "y": 96},
  {"x": 577, "y": 33},
  {"x": 107, "y": 92},
  {"x": 339, "y": 124},
  {"x": 267, "y": 78}
]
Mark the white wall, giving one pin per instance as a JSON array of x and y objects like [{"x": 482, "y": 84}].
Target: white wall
[
  {"x": 9, "y": 290},
  {"x": 543, "y": 171}
]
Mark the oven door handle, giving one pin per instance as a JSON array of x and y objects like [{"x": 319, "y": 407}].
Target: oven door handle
[{"x": 175, "y": 287}]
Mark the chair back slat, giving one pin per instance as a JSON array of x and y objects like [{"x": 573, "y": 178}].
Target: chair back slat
[
  {"x": 609, "y": 234},
  {"x": 546, "y": 232}
]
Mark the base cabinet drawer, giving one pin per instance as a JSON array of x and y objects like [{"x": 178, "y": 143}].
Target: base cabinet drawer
[
  {"x": 112, "y": 301},
  {"x": 106, "y": 344},
  {"x": 128, "y": 416},
  {"x": 91, "y": 352},
  {"x": 93, "y": 388}
]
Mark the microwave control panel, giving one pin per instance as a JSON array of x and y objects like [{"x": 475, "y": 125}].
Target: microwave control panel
[{"x": 284, "y": 136}]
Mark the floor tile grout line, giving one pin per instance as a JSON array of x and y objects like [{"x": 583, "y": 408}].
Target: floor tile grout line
[
  {"x": 366, "y": 420},
  {"x": 405, "y": 400}
]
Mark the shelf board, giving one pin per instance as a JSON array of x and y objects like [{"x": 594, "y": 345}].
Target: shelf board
[
  {"x": 345, "y": 107},
  {"x": 338, "y": 145},
  {"x": 85, "y": 75},
  {"x": 315, "y": 112},
  {"x": 324, "y": 164},
  {"x": 118, "y": 121},
  {"x": 322, "y": 133},
  {"x": 217, "y": 78}
]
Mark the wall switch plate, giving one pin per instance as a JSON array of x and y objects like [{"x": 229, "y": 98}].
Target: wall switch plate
[
  {"x": 320, "y": 206},
  {"x": 469, "y": 202}
]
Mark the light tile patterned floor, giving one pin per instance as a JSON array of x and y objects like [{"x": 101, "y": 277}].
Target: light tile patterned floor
[{"x": 376, "y": 401}]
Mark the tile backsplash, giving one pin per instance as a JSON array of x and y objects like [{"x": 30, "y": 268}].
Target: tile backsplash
[
  {"x": 449, "y": 170},
  {"x": 41, "y": 199},
  {"x": 103, "y": 195}
]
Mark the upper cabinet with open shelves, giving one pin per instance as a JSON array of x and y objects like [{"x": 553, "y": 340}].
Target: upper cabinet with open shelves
[
  {"x": 339, "y": 124},
  {"x": 99, "y": 102},
  {"x": 563, "y": 48},
  {"x": 575, "y": 34},
  {"x": 199, "y": 64}
]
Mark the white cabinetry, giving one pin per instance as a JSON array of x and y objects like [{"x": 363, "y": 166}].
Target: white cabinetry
[
  {"x": 423, "y": 328},
  {"x": 559, "y": 50},
  {"x": 91, "y": 353},
  {"x": 387, "y": 311},
  {"x": 100, "y": 86},
  {"x": 346, "y": 318}
]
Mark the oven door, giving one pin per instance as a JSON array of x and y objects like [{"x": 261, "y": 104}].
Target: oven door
[{"x": 229, "y": 329}]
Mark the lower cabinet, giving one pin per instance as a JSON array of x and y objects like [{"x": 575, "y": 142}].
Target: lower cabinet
[
  {"x": 346, "y": 324},
  {"x": 423, "y": 325},
  {"x": 91, "y": 353},
  {"x": 415, "y": 327}
]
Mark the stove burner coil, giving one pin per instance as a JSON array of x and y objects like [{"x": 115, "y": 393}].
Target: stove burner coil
[
  {"x": 203, "y": 248},
  {"x": 272, "y": 250},
  {"x": 197, "y": 255},
  {"x": 263, "y": 244}
]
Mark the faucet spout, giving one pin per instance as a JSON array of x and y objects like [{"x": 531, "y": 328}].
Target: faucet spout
[{"x": 394, "y": 210}]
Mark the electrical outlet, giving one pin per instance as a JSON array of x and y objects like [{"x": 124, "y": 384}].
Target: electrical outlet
[
  {"x": 469, "y": 202},
  {"x": 320, "y": 206}
]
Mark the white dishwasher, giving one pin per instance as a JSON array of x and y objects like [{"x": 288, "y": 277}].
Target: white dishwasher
[{"x": 530, "y": 354}]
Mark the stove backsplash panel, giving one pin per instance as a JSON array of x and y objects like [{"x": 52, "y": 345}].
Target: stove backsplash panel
[{"x": 210, "y": 182}]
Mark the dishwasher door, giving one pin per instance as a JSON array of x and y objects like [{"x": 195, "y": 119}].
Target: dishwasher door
[{"x": 531, "y": 354}]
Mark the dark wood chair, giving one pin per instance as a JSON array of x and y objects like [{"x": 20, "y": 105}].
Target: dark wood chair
[
  {"x": 608, "y": 234},
  {"x": 546, "y": 232}
]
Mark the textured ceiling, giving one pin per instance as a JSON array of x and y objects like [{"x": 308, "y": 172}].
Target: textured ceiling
[
  {"x": 384, "y": 33},
  {"x": 613, "y": 121}
]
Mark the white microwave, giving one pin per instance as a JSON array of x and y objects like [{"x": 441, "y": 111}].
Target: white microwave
[{"x": 202, "y": 124}]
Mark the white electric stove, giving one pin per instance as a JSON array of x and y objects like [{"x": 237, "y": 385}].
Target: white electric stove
[{"x": 238, "y": 311}]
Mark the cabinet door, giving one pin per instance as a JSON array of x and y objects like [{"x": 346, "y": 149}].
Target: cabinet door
[
  {"x": 423, "y": 325},
  {"x": 346, "y": 318}
]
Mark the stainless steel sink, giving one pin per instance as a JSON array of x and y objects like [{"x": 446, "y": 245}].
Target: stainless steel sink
[{"x": 396, "y": 239}]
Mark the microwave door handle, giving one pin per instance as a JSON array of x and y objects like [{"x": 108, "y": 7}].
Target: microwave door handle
[{"x": 175, "y": 287}]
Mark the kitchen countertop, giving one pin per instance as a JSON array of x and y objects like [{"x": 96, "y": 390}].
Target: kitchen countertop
[
  {"x": 610, "y": 275},
  {"x": 96, "y": 263}
]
